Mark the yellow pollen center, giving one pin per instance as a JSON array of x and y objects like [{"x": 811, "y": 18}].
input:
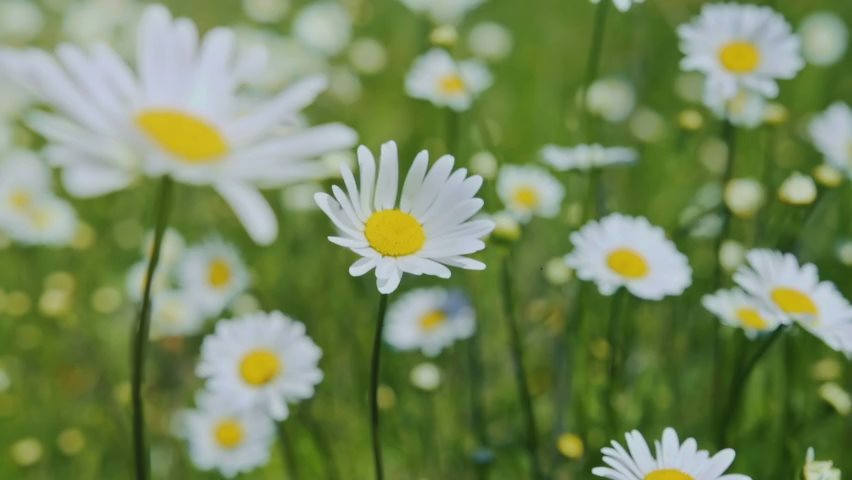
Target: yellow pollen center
[
  {"x": 394, "y": 233},
  {"x": 740, "y": 57},
  {"x": 751, "y": 318},
  {"x": 451, "y": 84},
  {"x": 219, "y": 273},
  {"x": 628, "y": 263},
  {"x": 187, "y": 137},
  {"x": 526, "y": 197},
  {"x": 260, "y": 367},
  {"x": 794, "y": 302},
  {"x": 21, "y": 199},
  {"x": 433, "y": 320},
  {"x": 229, "y": 433},
  {"x": 668, "y": 474}
]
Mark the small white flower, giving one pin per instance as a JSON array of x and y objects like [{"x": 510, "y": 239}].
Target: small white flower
[
  {"x": 261, "y": 361},
  {"x": 324, "y": 26},
  {"x": 174, "y": 314},
  {"x": 612, "y": 99},
  {"x": 745, "y": 109},
  {"x": 819, "y": 470},
  {"x": 744, "y": 196},
  {"x": 798, "y": 189},
  {"x": 426, "y": 376},
  {"x": 737, "y": 309},
  {"x": 266, "y": 11},
  {"x": 368, "y": 56},
  {"x": 484, "y": 164},
  {"x": 622, "y": 5},
  {"x": 212, "y": 275},
  {"x": 438, "y": 78},
  {"x": 824, "y": 38},
  {"x": 490, "y": 41},
  {"x": 831, "y": 132},
  {"x": 429, "y": 320},
  {"x": 586, "y": 157},
  {"x": 443, "y": 11},
  {"x": 529, "y": 191}
]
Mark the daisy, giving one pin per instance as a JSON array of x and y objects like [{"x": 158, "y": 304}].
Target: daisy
[
  {"x": 586, "y": 157},
  {"x": 438, "y": 78},
  {"x": 737, "y": 309},
  {"x": 261, "y": 360},
  {"x": 174, "y": 314},
  {"x": 673, "y": 460},
  {"x": 180, "y": 114},
  {"x": 429, "y": 319},
  {"x": 48, "y": 221},
  {"x": 324, "y": 27},
  {"x": 745, "y": 109},
  {"x": 224, "y": 438},
  {"x": 831, "y": 132},
  {"x": 622, "y": 5},
  {"x": 443, "y": 11},
  {"x": 620, "y": 251},
  {"x": 739, "y": 47},
  {"x": 424, "y": 231},
  {"x": 135, "y": 281},
  {"x": 529, "y": 191},
  {"x": 212, "y": 274}
]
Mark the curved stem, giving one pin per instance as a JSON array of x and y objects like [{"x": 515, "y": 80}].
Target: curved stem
[
  {"x": 374, "y": 388},
  {"x": 140, "y": 339}
]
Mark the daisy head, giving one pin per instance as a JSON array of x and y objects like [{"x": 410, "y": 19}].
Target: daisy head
[
  {"x": 213, "y": 274},
  {"x": 740, "y": 46},
  {"x": 672, "y": 460},
  {"x": 429, "y": 319},
  {"x": 620, "y": 251},
  {"x": 422, "y": 229},
  {"x": 737, "y": 309},
  {"x": 831, "y": 132},
  {"x": 262, "y": 361},
  {"x": 174, "y": 314},
  {"x": 437, "y": 78},
  {"x": 586, "y": 157},
  {"x": 48, "y": 221},
  {"x": 529, "y": 191}
]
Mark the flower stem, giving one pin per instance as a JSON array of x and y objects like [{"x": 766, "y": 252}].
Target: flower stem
[
  {"x": 477, "y": 405},
  {"x": 140, "y": 339},
  {"x": 288, "y": 456},
  {"x": 615, "y": 326},
  {"x": 374, "y": 388}
]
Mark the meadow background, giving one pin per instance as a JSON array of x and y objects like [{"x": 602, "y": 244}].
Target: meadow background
[{"x": 65, "y": 321}]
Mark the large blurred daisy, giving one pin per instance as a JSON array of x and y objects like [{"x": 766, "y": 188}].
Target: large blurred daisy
[
  {"x": 739, "y": 46},
  {"x": 740, "y": 310},
  {"x": 673, "y": 460},
  {"x": 529, "y": 191},
  {"x": 424, "y": 231},
  {"x": 621, "y": 251},
  {"x": 437, "y": 78},
  {"x": 429, "y": 319},
  {"x": 179, "y": 114},
  {"x": 831, "y": 132}
]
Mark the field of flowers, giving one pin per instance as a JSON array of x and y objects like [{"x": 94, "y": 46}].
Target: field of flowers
[{"x": 425, "y": 239}]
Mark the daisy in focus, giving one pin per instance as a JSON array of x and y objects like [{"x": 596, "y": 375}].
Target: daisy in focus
[
  {"x": 212, "y": 274},
  {"x": 424, "y": 228},
  {"x": 620, "y": 251},
  {"x": 739, "y": 47},
  {"x": 737, "y": 309},
  {"x": 443, "y": 11},
  {"x": 673, "y": 460},
  {"x": 586, "y": 157},
  {"x": 429, "y": 319},
  {"x": 529, "y": 191},
  {"x": 180, "y": 114},
  {"x": 260, "y": 361},
  {"x": 831, "y": 132},
  {"x": 622, "y": 5},
  {"x": 439, "y": 79}
]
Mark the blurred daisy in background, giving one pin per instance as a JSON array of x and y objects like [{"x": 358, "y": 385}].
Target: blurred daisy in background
[
  {"x": 111, "y": 22},
  {"x": 798, "y": 189},
  {"x": 673, "y": 460},
  {"x": 325, "y": 27},
  {"x": 490, "y": 41},
  {"x": 260, "y": 361},
  {"x": 586, "y": 157},
  {"x": 529, "y": 191},
  {"x": 824, "y": 38},
  {"x": 739, "y": 47},
  {"x": 181, "y": 116},
  {"x": 212, "y": 274},
  {"x": 424, "y": 231},
  {"x": 737, "y": 309},
  {"x": 831, "y": 132},
  {"x": 439, "y": 79},
  {"x": 266, "y": 11},
  {"x": 21, "y": 21},
  {"x": 611, "y": 98},
  {"x": 174, "y": 314},
  {"x": 819, "y": 469},
  {"x": 135, "y": 281},
  {"x": 429, "y": 320},
  {"x": 443, "y": 11},
  {"x": 745, "y": 109},
  {"x": 620, "y": 251},
  {"x": 622, "y": 5},
  {"x": 172, "y": 247}
]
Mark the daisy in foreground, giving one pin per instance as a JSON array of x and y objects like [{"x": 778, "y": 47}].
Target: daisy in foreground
[
  {"x": 429, "y": 319},
  {"x": 260, "y": 361},
  {"x": 673, "y": 460},
  {"x": 620, "y": 251},
  {"x": 439, "y": 79},
  {"x": 423, "y": 230}
]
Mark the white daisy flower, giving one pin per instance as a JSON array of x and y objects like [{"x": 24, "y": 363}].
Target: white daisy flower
[
  {"x": 48, "y": 221},
  {"x": 622, "y": 5},
  {"x": 825, "y": 38},
  {"x": 443, "y": 11},
  {"x": 226, "y": 438},
  {"x": 180, "y": 114},
  {"x": 739, "y": 47},
  {"x": 745, "y": 109},
  {"x": 673, "y": 460},
  {"x": 529, "y": 191},
  {"x": 586, "y": 157},
  {"x": 424, "y": 231},
  {"x": 831, "y": 132},
  {"x": 174, "y": 314},
  {"x": 325, "y": 27},
  {"x": 135, "y": 281},
  {"x": 490, "y": 41},
  {"x": 429, "y": 319},
  {"x": 436, "y": 77},
  {"x": 612, "y": 99},
  {"x": 261, "y": 360},
  {"x": 212, "y": 275},
  {"x": 737, "y": 309},
  {"x": 620, "y": 251}
]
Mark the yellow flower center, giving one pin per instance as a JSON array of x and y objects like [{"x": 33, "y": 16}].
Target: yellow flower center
[
  {"x": 219, "y": 273},
  {"x": 21, "y": 199},
  {"x": 229, "y": 433},
  {"x": 526, "y": 197},
  {"x": 451, "y": 84},
  {"x": 628, "y": 263},
  {"x": 740, "y": 57},
  {"x": 260, "y": 367},
  {"x": 668, "y": 474},
  {"x": 187, "y": 137},
  {"x": 751, "y": 318},
  {"x": 394, "y": 233},
  {"x": 794, "y": 302},
  {"x": 433, "y": 320}
]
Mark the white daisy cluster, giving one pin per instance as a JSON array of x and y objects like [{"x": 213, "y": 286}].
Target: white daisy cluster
[
  {"x": 586, "y": 157},
  {"x": 429, "y": 319},
  {"x": 438, "y": 78}
]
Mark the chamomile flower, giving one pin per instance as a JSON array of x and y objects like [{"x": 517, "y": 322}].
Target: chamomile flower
[
  {"x": 261, "y": 361},
  {"x": 673, "y": 460},
  {"x": 737, "y": 309},
  {"x": 213, "y": 274},
  {"x": 825, "y": 38},
  {"x": 424, "y": 231},
  {"x": 529, "y": 191},
  {"x": 745, "y": 109},
  {"x": 611, "y": 98},
  {"x": 48, "y": 221},
  {"x": 325, "y": 27},
  {"x": 443, "y": 11},
  {"x": 831, "y": 132},
  {"x": 174, "y": 314},
  {"x": 430, "y": 320},
  {"x": 586, "y": 157},
  {"x": 739, "y": 47},
  {"x": 622, "y": 5},
  {"x": 438, "y": 78},
  {"x": 620, "y": 251},
  {"x": 179, "y": 114},
  {"x": 135, "y": 282}
]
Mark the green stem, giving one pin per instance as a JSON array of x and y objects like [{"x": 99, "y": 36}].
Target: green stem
[
  {"x": 332, "y": 471},
  {"x": 615, "y": 326},
  {"x": 374, "y": 388},
  {"x": 140, "y": 340},
  {"x": 453, "y": 119},
  {"x": 288, "y": 456},
  {"x": 477, "y": 405}
]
